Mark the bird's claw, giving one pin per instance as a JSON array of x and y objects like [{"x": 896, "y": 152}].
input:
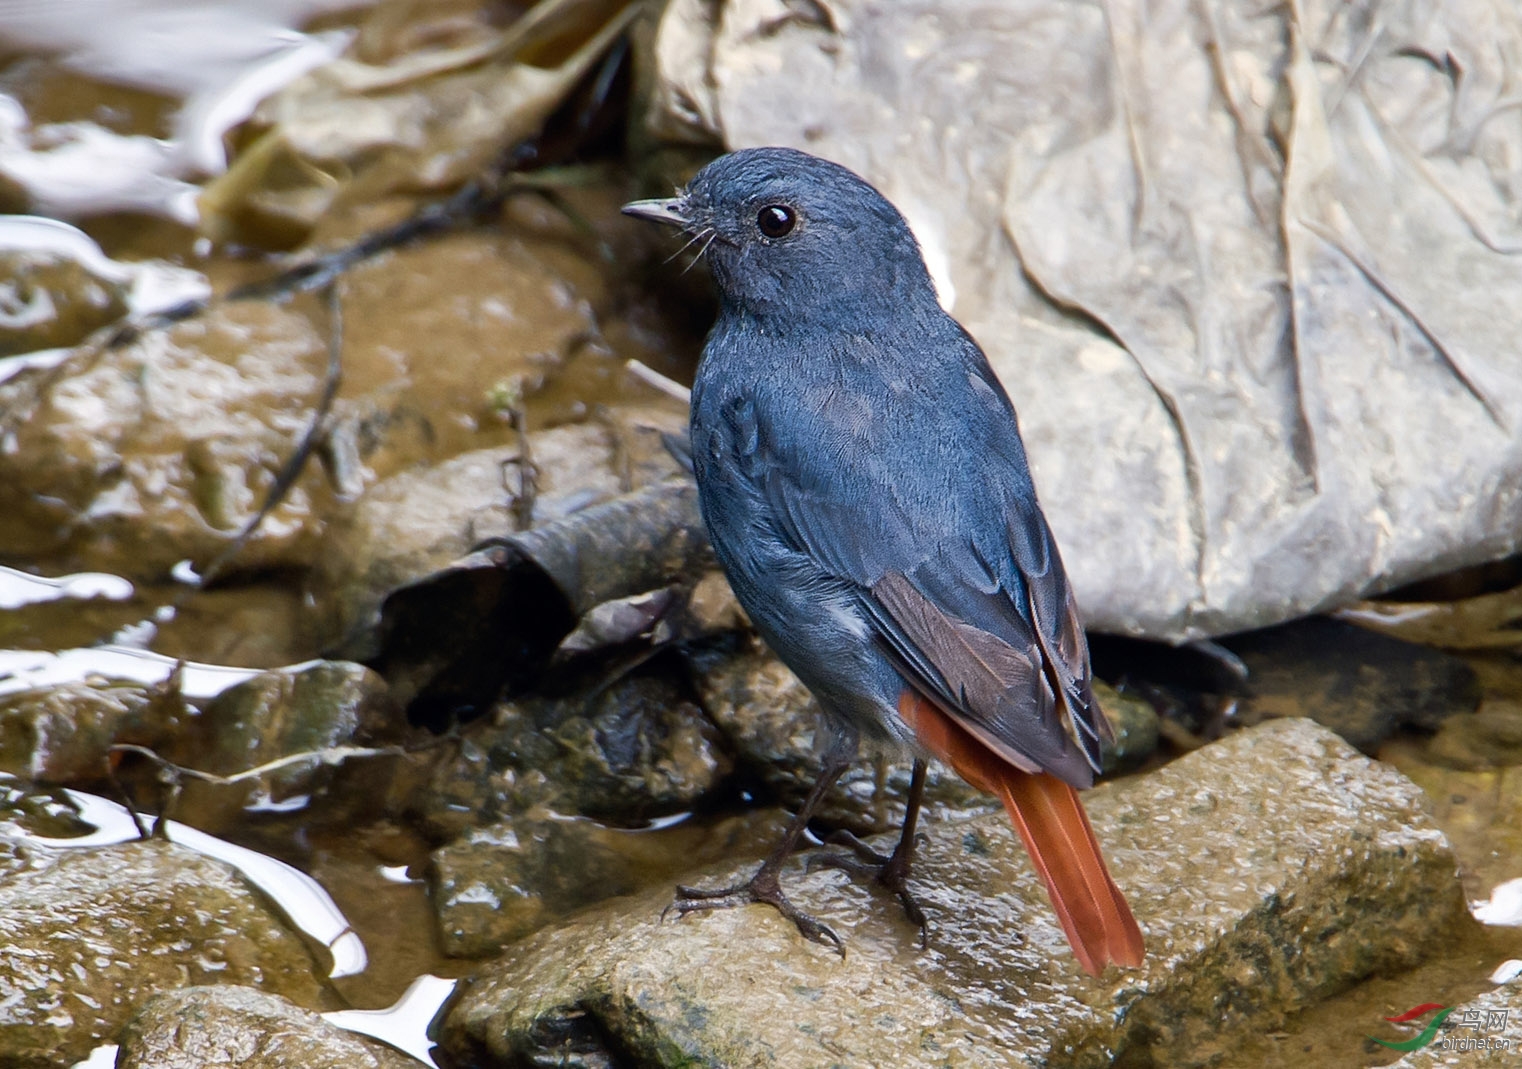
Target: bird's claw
[
  {"x": 885, "y": 870},
  {"x": 866, "y": 858},
  {"x": 757, "y": 889}
]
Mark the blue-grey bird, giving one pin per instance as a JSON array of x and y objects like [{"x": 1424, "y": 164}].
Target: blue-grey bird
[{"x": 863, "y": 481}]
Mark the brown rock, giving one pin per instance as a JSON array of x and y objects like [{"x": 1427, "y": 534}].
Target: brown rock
[
  {"x": 1268, "y": 871},
  {"x": 89, "y": 938},
  {"x": 204, "y": 1027}
]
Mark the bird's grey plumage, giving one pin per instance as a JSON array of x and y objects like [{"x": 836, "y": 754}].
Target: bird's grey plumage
[{"x": 863, "y": 478}]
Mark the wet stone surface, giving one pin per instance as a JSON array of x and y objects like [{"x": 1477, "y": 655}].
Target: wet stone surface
[
  {"x": 636, "y": 749},
  {"x": 141, "y": 456},
  {"x": 47, "y": 302},
  {"x": 418, "y": 521},
  {"x": 88, "y": 938},
  {"x": 499, "y": 883},
  {"x": 777, "y": 733},
  {"x": 282, "y": 714},
  {"x": 633, "y": 750},
  {"x": 199, "y": 1027},
  {"x": 62, "y": 734},
  {"x": 1268, "y": 870}
]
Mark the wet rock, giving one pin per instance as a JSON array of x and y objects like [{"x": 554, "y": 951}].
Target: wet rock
[
  {"x": 464, "y": 788},
  {"x": 133, "y": 458},
  {"x": 1360, "y": 684},
  {"x": 1268, "y": 870},
  {"x": 631, "y": 750},
  {"x": 281, "y": 714},
  {"x": 453, "y": 334},
  {"x": 489, "y": 625},
  {"x": 502, "y": 882},
  {"x": 63, "y": 734},
  {"x": 1135, "y": 723},
  {"x": 769, "y": 718},
  {"x": 92, "y": 936},
  {"x": 26, "y": 811},
  {"x": 638, "y": 748},
  {"x": 713, "y": 607},
  {"x": 48, "y": 302},
  {"x": 777, "y": 733},
  {"x": 1490, "y": 737},
  {"x": 1482, "y": 1032},
  {"x": 417, "y": 522},
  {"x": 246, "y": 1028}
]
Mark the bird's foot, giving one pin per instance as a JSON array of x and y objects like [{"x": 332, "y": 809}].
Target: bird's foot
[
  {"x": 889, "y": 871},
  {"x": 762, "y": 887}
]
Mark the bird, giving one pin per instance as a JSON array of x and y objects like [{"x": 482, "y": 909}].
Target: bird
[{"x": 863, "y": 481}]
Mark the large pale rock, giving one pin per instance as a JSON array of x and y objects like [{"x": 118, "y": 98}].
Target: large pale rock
[
  {"x": 1251, "y": 274},
  {"x": 1268, "y": 871},
  {"x": 88, "y": 938}
]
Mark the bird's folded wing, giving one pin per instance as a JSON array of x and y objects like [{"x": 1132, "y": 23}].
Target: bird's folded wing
[
  {"x": 1000, "y": 693},
  {"x": 983, "y": 624}
]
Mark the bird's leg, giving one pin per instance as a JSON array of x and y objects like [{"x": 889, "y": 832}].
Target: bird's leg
[
  {"x": 891, "y": 871},
  {"x": 764, "y": 886}
]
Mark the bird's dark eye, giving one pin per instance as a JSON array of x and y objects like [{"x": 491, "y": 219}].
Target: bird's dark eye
[{"x": 776, "y": 220}]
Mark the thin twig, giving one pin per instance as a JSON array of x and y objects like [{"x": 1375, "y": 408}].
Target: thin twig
[
  {"x": 293, "y": 467},
  {"x": 651, "y": 377},
  {"x": 332, "y": 755},
  {"x": 527, "y": 495}
]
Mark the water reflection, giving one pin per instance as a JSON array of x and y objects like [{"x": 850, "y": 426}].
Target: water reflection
[
  {"x": 405, "y": 1025},
  {"x": 148, "y": 286},
  {"x": 1506, "y": 972},
  {"x": 308, "y": 907},
  {"x": 102, "y": 1057},
  {"x": 19, "y": 588},
  {"x": 25, "y": 669},
  {"x": 1504, "y": 907},
  {"x": 219, "y": 58}
]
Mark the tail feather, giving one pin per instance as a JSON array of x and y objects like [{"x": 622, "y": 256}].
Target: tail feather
[{"x": 1056, "y": 831}]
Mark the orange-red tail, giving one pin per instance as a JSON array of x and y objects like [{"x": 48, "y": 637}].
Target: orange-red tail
[{"x": 1052, "y": 822}]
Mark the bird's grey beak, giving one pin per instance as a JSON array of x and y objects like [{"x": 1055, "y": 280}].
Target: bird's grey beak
[{"x": 668, "y": 212}]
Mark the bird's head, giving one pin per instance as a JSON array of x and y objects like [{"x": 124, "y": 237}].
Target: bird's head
[{"x": 792, "y": 237}]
